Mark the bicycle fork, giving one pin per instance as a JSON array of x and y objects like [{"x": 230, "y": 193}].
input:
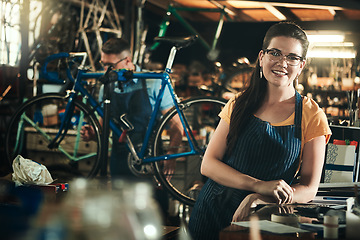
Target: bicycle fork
[{"x": 64, "y": 126}]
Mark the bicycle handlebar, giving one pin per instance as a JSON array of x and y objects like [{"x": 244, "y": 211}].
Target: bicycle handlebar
[
  {"x": 61, "y": 55},
  {"x": 121, "y": 75},
  {"x": 48, "y": 60}
]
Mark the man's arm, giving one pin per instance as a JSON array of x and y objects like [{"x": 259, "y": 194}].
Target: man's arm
[
  {"x": 87, "y": 132},
  {"x": 175, "y": 131}
]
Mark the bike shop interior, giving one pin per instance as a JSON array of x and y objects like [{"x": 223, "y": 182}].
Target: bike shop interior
[{"x": 217, "y": 65}]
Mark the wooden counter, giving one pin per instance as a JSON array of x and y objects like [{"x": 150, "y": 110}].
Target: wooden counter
[{"x": 239, "y": 232}]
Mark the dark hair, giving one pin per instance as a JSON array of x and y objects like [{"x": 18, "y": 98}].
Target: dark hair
[
  {"x": 287, "y": 29},
  {"x": 115, "y": 46},
  {"x": 253, "y": 96}
]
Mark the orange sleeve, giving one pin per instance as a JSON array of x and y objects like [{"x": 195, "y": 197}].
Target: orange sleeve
[
  {"x": 227, "y": 110},
  {"x": 314, "y": 121}
]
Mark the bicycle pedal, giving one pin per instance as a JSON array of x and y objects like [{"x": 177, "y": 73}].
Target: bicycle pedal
[
  {"x": 122, "y": 137},
  {"x": 126, "y": 124}
]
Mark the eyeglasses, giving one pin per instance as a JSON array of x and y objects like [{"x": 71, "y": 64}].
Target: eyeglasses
[
  {"x": 276, "y": 55},
  {"x": 103, "y": 64}
]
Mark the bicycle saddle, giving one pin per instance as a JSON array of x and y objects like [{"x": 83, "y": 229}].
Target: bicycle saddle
[{"x": 179, "y": 42}]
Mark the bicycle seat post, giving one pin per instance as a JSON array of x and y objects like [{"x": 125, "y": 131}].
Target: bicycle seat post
[
  {"x": 170, "y": 60},
  {"x": 108, "y": 85}
]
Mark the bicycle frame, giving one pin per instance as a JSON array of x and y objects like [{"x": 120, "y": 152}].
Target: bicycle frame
[
  {"x": 165, "y": 82},
  {"x": 174, "y": 11}
]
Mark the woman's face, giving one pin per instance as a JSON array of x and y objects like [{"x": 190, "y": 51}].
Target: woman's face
[{"x": 280, "y": 63}]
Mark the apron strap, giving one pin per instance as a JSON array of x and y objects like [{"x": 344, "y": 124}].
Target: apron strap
[
  {"x": 298, "y": 115},
  {"x": 298, "y": 132},
  {"x": 143, "y": 82}
]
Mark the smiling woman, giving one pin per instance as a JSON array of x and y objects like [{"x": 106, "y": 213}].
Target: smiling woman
[
  {"x": 280, "y": 69},
  {"x": 265, "y": 134}
]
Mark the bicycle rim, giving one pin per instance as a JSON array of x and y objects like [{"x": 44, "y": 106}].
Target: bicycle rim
[
  {"x": 37, "y": 122},
  {"x": 186, "y": 181},
  {"x": 239, "y": 79}
]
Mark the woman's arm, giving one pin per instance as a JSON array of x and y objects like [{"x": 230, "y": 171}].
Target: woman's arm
[
  {"x": 311, "y": 170},
  {"x": 213, "y": 167},
  {"x": 305, "y": 191}
]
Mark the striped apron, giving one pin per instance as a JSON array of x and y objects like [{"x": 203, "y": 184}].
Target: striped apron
[{"x": 262, "y": 151}]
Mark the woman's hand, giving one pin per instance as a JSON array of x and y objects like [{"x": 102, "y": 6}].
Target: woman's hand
[
  {"x": 249, "y": 202},
  {"x": 279, "y": 189},
  {"x": 245, "y": 207},
  {"x": 286, "y": 209}
]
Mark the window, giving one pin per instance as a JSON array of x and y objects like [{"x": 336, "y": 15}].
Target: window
[{"x": 10, "y": 37}]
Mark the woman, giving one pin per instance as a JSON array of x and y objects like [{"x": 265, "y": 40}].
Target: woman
[{"x": 265, "y": 134}]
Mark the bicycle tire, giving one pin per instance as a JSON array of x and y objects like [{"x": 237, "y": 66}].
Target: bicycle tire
[
  {"x": 202, "y": 116},
  {"x": 27, "y": 140},
  {"x": 238, "y": 79}
]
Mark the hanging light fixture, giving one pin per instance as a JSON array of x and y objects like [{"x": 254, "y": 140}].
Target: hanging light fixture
[
  {"x": 333, "y": 38},
  {"x": 329, "y": 44}
]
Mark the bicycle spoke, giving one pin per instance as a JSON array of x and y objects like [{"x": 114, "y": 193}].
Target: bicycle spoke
[
  {"x": 184, "y": 179},
  {"x": 32, "y": 129}
]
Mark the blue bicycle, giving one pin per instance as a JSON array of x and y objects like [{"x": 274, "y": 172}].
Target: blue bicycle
[{"x": 46, "y": 128}]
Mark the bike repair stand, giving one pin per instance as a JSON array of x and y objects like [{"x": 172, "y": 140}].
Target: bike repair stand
[{"x": 106, "y": 80}]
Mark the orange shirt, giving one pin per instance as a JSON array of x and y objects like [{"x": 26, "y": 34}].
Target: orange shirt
[{"x": 313, "y": 123}]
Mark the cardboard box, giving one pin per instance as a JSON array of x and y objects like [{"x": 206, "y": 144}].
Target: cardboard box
[
  {"x": 340, "y": 160},
  {"x": 50, "y": 120}
]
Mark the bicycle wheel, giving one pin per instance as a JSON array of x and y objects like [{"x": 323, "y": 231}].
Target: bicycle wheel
[
  {"x": 202, "y": 115},
  {"x": 37, "y": 122},
  {"x": 238, "y": 80}
]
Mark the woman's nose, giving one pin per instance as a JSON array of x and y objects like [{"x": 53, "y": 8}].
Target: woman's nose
[{"x": 283, "y": 61}]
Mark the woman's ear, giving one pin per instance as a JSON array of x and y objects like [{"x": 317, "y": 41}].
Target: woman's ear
[
  {"x": 302, "y": 65},
  {"x": 261, "y": 55}
]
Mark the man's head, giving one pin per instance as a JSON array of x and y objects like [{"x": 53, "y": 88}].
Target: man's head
[{"x": 116, "y": 53}]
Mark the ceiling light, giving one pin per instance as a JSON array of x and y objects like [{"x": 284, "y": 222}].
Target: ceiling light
[
  {"x": 326, "y": 38},
  {"x": 332, "y": 44},
  {"x": 331, "y": 53},
  {"x": 329, "y": 44}
]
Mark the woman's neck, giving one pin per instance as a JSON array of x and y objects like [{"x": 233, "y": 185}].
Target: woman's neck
[{"x": 277, "y": 95}]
